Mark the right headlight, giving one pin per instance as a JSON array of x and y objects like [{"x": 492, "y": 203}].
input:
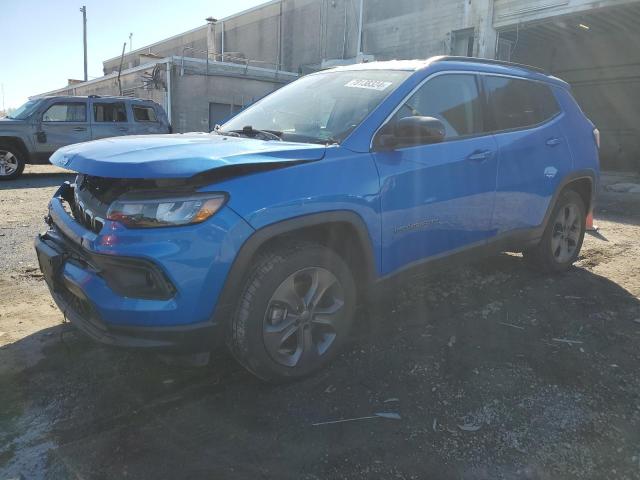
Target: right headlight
[{"x": 165, "y": 212}]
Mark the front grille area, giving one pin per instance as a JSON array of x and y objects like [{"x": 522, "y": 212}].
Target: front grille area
[{"x": 87, "y": 218}]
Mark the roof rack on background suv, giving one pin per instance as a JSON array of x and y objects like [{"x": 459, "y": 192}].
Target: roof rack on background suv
[{"x": 490, "y": 62}]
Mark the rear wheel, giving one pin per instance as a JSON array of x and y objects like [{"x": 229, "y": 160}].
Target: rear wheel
[
  {"x": 11, "y": 162},
  {"x": 295, "y": 312},
  {"x": 562, "y": 239}
]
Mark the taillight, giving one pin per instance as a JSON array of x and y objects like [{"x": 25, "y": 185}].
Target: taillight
[{"x": 596, "y": 136}]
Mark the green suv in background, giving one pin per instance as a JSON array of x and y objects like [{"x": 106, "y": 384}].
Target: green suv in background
[{"x": 41, "y": 126}]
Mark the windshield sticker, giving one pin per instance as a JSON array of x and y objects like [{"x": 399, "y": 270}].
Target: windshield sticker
[{"x": 368, "y": 84}]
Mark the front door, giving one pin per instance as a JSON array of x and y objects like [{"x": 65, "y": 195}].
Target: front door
[
  {"x": 438, "y": 198},
  {"x": 63, "y": 123}
]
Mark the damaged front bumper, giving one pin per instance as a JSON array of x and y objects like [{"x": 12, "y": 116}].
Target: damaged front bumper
[{"x": 144, "y": 288}]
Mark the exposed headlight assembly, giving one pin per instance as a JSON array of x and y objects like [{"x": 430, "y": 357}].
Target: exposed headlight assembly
[{"x": 165, "y": 212}]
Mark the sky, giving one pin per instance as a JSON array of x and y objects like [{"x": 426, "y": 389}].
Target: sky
[{"x": 41, "y": 40}]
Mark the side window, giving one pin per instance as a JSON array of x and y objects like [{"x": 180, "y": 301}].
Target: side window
[
  {"x": 519, "y": 103},
  {"x": 109, "y": 112},
  {"x": 65, "y": 112},
  {"x": 144, "y": 114},
  {"x": 453, "y": 99}
]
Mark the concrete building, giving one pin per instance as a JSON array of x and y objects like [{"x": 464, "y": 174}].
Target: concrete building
[
  {"x": 195, "y": 93},
  {"x": 590, "y": 43}
]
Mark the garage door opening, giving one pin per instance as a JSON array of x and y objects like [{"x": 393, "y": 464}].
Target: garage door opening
[{"x": 597, "y": 53}]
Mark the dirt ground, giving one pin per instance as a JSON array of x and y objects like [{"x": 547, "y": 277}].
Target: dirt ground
[{"x": 495, "y": 372}]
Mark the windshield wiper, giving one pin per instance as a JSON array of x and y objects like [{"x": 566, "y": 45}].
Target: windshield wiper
[
  {"x": 251, "y": 132},
  {"x": 324, "y": 141},
  {"x": 223, "y": 133}
]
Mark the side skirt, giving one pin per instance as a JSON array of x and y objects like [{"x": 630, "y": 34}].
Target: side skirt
[{"x": 509, "y": 242}]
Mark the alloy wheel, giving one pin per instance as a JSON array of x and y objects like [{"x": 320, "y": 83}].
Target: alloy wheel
[
  {"x": 566, "y": 233},
  {"x": 8, "y": 163},
  {"x": 303, "y": 317}
]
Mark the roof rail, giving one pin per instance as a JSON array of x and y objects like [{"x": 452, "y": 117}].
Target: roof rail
[{"x": 490, "y": 62}]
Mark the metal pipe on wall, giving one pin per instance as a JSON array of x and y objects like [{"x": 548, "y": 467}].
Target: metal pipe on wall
[
  {"x": 279, "y": 61},
  {"x": 222, "y": 41},
  {"x": 169, "y": 92}
]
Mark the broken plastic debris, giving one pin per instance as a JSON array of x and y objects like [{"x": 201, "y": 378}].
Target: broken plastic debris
[
  {"x": 330, "y": 389},
  {"x": 389, "y": 400},
  {"x": 389, "y": 415},
  {"x": 452, "y": 341},
  {"x": 470, "y": 427},
  {"x": 566, "y": 340},
  {"x": 511, "y": 325}
]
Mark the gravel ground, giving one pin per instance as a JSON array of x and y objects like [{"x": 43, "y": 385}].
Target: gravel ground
[{"x": 495, "y": 372}]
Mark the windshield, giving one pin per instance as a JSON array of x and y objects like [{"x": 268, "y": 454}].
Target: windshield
[
  {"x": 322, "y": 108},
  {"x": 24, "y": 110}
]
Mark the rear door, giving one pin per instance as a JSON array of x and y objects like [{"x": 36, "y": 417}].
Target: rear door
[
  {"x": 533, "y": 153},
  {"x": 145, "y": 119},
  {"x": 62, "y": 123},
  {"x": 438, "y": 198},
  {"x": 109, "y": 118}
]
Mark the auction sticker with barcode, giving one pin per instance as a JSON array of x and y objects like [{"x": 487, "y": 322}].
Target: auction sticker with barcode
[{"x": 368, "y": 84}]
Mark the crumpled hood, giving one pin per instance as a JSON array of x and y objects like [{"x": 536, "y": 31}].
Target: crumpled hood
[{"x": 177, "y": 155}]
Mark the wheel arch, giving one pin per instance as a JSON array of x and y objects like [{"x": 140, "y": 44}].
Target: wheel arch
[
  {"x": 18, "y": 143},
  {"x": 343, "y": 231},
  {"x": 583, "y": 186},
  {"x": 583, "y": 182}
]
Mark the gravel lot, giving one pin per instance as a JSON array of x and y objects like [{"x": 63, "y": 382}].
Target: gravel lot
[{"x": 495, "y": 372}]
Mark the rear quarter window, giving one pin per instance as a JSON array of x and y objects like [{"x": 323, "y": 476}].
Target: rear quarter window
[
  {"x": 516, "y": 103},
  {"x": 144, "y": 113}
]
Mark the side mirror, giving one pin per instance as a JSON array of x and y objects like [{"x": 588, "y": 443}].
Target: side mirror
[{"x": 415, "y": 130}]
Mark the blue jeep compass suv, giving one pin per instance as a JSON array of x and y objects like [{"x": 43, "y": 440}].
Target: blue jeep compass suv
[{"x": 265, "y": 232}]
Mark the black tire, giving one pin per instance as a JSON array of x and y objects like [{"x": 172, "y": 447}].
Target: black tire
[
  {"x": 11, "y": 160},
  {"x": 560, "y": 244},
  {"x": 261, "y": 320}
]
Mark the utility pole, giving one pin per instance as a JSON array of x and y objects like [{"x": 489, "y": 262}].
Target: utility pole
[
  {"x": 359, "y": 47},
  {"x": 84, "y": 37},
  {"x": 124, "y": 45}
]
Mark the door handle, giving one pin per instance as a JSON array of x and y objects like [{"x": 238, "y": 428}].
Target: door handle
[
  {"x": 552, "y": 142},
  {"x": 80, "y": 129},
  {"x": 480, "y": 156},
  {"x": 123, "y": 129}
]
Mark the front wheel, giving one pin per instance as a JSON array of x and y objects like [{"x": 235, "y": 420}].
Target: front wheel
[
  {"x": 562, "y": 239},
  {"x": 294, "y": 313},
  {"x": 11, "y": 163}
]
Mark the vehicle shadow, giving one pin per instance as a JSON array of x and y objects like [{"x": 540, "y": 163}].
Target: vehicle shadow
[
  {"x": 490, "y": 331},
  {"x": 37, "y": 180}
]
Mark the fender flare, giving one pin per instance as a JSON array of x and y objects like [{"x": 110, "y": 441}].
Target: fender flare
[
  {"x": 19, "y": 143},
  {"x": 227, "y": 300},
  {"x": 572, "y": 177}
]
